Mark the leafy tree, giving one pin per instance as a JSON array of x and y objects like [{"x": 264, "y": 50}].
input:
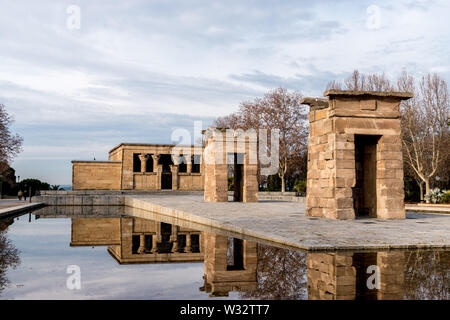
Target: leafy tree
[{"x": 35, "y": 185}]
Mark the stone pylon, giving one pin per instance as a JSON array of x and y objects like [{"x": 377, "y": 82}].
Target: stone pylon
[
  {"x": 224, "y": 149},
  {"x": 355, "y": 165}
]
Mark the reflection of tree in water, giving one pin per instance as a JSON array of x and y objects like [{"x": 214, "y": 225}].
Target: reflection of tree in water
[
  {"x": 9, "y": 255},
  {"x": 427, "y": 275},
  {"x": 281, "y": 275}
]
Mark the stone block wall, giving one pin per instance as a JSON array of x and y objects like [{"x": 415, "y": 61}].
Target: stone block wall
[
  {"x": 96, "y": 175},
  {"x": 332, "y": 165},
  {"x": 392, "y": 275},
  {"x": 331, "y": 276},
  {"x": 193, "y": 181},
  {"x": 95, "y": 231},
  {"x": 340, "y": 275},
  {"x": 146, "y": 181}
]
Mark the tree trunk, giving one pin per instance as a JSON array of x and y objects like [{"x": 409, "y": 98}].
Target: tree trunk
[
  {"x": 283, "y": 184},
  {"x": 421, "y": 190},
  {"x": 427, "y": 189}
]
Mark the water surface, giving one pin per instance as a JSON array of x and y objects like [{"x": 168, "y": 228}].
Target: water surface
[{"x": 124, "y": 257}]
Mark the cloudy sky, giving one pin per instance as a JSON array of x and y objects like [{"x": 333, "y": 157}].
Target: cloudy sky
[{"x": 135, "y": 70}]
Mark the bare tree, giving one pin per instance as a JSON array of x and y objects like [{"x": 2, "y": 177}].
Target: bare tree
[
  {"x": 425, "y": 128},
  {"x": 10, "y": 144},
  {"x": 9, "y": 255},
  {"x": 426, "y": 275},
  {"x": 361, "y": 82},
  {"x": 282, "y": 274},
  {"x": 424, "y": 125},
  {"x": 278, "y": 109}
]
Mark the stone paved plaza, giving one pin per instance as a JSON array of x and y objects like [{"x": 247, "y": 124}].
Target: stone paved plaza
[{"x": 285, "y": 223}]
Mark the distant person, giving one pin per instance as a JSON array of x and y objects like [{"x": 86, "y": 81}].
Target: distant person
[
  {"x": 20, "y": 195},
  {"x": 25, "y": 193}
]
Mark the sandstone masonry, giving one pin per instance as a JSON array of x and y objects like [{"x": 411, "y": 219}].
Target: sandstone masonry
[{"x": 355, "y": 165}]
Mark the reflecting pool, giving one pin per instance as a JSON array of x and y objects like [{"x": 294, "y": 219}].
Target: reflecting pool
[{"x": 108, "y": 253}]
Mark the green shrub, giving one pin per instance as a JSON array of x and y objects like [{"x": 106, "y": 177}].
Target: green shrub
[
  {"x": 445, "y": 198},
  {"x": 300, "y": 186},
  {"x": 230, "y": 183},
  {"x": 274, "y": 183}
]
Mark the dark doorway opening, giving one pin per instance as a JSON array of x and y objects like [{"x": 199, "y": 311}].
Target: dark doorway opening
[
  {"x": 165, "y": 246},
  {"x": 136, "y": 163},
  {"x": 181, "y": 239},
  {"x": 361, "y": 263},
  {"x": 196, "y": 164},
  {"x": 235, "y": 254},
  {"x": 135, "y": 243},
  {"x": 182, "y": 166},
  {"x": 365, "y": 190},
  {"x": 195, "y": 243},
  {"x": 237, "y": 170},
  {"x": 148, "y": 244},
  {"x": 166, "y": 161},
  {"x": 166, "y": 180}
]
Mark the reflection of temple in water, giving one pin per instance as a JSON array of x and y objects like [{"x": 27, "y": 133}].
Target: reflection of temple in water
[
  {"x": 136, "y": 240},
  {"x": 230, "y": 265},
  {"x": 264, "y": 272},
  {"x": 344, "y": 275}
]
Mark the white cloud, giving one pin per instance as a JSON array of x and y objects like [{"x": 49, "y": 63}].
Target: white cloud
[{"x": 158, "y": 60}]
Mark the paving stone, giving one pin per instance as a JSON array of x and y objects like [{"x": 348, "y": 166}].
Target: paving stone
[{"x": 285, "y": 223}]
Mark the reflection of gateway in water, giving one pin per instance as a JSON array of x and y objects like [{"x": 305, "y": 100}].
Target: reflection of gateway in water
[
  {"x": 231, "y": 264},
  {"x": 345, "y": 275}
]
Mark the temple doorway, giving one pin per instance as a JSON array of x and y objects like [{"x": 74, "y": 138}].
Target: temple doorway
[
  {"x": 166, "y": 180},
  {"x": 165, "y": 246},
  {"x": 365, "y": 190},
  {"x": 166, "y": 175},
  {"x": 237, "y": 171},
  {"x": 235, "y": 254}
]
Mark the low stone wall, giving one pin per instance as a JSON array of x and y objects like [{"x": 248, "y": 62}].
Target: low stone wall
[
  {"x": 95, "y": 197},
  {"x": 80, "y": 200},
  {"x": 116, "y": 197},
  {"x": 80, "y": 211},
  {"x": 113, "y": 192},
  {"x": 281, "y": 196},
  {"x": 20, "y": 209}
]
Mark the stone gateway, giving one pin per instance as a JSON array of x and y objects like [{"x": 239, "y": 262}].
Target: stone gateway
[{"x": 355, "y": 166}]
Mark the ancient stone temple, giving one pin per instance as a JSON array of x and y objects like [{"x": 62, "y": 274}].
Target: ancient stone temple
[
  {"x": 355, "y": 165},
  {"x": 137, "y": 240},
  {"x": 230, "y": 151},
  {"x": 133, "y": 166}
]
